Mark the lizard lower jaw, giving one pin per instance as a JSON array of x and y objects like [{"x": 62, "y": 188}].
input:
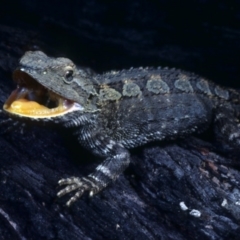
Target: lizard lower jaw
[{"x": 38, "y": 103}]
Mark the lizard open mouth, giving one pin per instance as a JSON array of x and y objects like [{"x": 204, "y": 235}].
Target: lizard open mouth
[{"x": 33, "y": 100}]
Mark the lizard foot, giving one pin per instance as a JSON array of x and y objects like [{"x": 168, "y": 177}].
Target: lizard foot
[{"x": 81, "y": 185}]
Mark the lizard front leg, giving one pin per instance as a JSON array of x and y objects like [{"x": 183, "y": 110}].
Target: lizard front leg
[{"x": 117, "y": 158}]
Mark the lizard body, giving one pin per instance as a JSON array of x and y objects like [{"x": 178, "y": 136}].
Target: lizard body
[{"x": 112, "y": 112}]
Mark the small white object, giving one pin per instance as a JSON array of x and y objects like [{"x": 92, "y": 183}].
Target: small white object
[
  {"x": 183, "y": 206},
  {"x": 237, "y": 203},
  {"x": 224, "y": 203},
  {"x": 195, "y": 213}
]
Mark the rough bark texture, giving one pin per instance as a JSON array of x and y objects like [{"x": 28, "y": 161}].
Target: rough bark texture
[{"x": 144, "y": 203}]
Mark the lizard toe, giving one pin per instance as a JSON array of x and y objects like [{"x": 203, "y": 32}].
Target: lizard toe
[
  {"x": 73, "y": 199},
  {"x": 68, "y": 189},
  {"x": 67, "y": 181}
]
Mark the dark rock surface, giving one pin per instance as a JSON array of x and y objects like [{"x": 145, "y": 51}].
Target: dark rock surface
[{"x": 144, "y": 203}]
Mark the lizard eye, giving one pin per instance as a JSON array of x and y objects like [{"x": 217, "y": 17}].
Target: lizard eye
[{"x": 68, "y": 75}]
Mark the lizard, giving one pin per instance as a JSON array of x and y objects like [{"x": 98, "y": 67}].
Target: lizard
[{"x": 112, "y": 112}]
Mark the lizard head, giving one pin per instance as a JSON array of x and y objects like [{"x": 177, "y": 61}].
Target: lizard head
[{"x": 48, "y": 87}]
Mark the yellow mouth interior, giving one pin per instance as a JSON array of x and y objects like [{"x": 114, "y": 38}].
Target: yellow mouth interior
[
  {"x": 36, "y": 103},
  {"x": 27, "y": 107}
]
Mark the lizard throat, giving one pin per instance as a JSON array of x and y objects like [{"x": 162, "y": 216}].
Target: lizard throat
[{"x": 33, "y": 100}]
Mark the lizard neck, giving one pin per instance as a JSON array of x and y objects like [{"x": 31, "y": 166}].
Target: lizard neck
[{"x": 76, "y": 119}]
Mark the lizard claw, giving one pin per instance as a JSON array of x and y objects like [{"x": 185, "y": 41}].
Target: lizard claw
[
  {"x": 67, "y": 181},
  {"x": 79, "y": 184}
]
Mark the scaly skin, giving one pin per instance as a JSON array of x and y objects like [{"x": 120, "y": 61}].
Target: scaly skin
[{"x": 115, "y": 111}]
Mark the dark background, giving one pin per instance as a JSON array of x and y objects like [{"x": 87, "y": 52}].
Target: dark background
[{"x": 200, "y": 36}]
